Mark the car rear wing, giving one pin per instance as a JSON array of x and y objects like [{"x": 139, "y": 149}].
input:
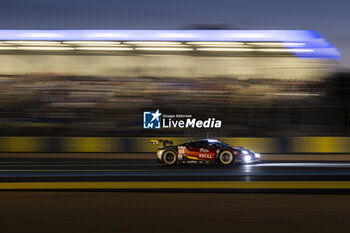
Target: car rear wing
[{"x": 164, "y": 141}]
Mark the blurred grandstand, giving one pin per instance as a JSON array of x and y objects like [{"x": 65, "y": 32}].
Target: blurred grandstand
[{"x": 98, "y": 82}]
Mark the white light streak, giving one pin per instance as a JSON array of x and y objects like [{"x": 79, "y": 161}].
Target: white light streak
[
  {"x": 164, "y": 49},
  {"x": 103, "y": 48}
]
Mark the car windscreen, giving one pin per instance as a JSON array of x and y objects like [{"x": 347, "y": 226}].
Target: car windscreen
[{"x": 221, "y": 145}]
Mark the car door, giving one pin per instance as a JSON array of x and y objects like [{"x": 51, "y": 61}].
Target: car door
[
  {"x": 192, "y": 150},
  {"x": 206, "y": 151},
  {"x": 199, "y": 151}
]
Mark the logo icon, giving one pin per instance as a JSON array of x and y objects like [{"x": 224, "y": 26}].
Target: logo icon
[{"x": 151, "y": 120}]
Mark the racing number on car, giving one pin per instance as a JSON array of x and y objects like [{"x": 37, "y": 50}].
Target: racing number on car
[{"x": 181, "y": 150}]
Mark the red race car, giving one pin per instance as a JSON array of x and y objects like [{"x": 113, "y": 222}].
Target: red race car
[{"x": 204, "y": 150}]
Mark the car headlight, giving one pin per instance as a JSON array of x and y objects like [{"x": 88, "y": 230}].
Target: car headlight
[
  {"x": 244, "y": 152},
  {"x": 247, "y": 158},
  {"x": 257, "y": 155}
]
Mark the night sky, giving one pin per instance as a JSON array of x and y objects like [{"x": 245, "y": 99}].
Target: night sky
[{"x": 329, "y": 17}]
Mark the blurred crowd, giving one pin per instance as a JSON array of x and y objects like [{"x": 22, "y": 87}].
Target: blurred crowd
[{"x": 62, "y": 105}]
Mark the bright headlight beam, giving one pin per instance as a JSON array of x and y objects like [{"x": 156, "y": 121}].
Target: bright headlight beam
[{"x": 247, "y": 158}]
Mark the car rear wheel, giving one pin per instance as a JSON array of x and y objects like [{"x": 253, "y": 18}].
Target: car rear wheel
[
  {"x": 170, "y": 157},
  {"x": 226, "y": 157}
]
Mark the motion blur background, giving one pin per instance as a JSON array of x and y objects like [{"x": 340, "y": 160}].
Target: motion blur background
[
  {"x": 258, "y": 89},
  {"x": 96, "y": 92},
  {"x": 76, "y": 76}
]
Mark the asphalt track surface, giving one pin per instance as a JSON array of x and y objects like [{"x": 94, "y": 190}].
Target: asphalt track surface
[
  {"x": 56, "y": 212},
  {"x": 116, "y": 174},
  {"x": 121, "y": 195}
]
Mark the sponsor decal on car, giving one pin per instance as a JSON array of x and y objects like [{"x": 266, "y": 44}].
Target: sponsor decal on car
[
  {"x": 203, "y": 150},
  {"x": 205, "y": 156}
]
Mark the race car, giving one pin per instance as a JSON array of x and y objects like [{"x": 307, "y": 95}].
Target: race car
[{"x": 204, "y": 150}]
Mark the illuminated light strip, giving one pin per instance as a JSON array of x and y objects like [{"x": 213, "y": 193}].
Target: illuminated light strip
[
  {"x": 176, "y": 35},
  {"x": 8, "y": 48},
  {"x": 160, "y": 49},
  {"x": 297, "y": 94},
  {"x": 177, "y": 185},
  {"x": 302, "y": 50},
  {"x": 294, "y": 44},
  {"x": 323, "y": 48},
  {"x": 248, "y": 34},
  {"x": 286, "y": 50},
  {"x": 226, "y": 46},
  {"x": 33, "y": 42},
  {"x": 153, "y": 43},
  {"x": 100, "y": 45},
  {"x": 226, "y": 49},
  {"x": 260, "y": 50},
  {"x": 164, "y": 49},
  {"x": 105, "y": 35},
  {"x": 41, "y": 34},
  {"x": 158, "y": 45},
  {"x": 92, "y": 42},
  {"x": 103, "y": 48},
  {"x": 211, "y": 43},
  {"x": 276, "y": 43},
  {"x": 45, "y": 48}
]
